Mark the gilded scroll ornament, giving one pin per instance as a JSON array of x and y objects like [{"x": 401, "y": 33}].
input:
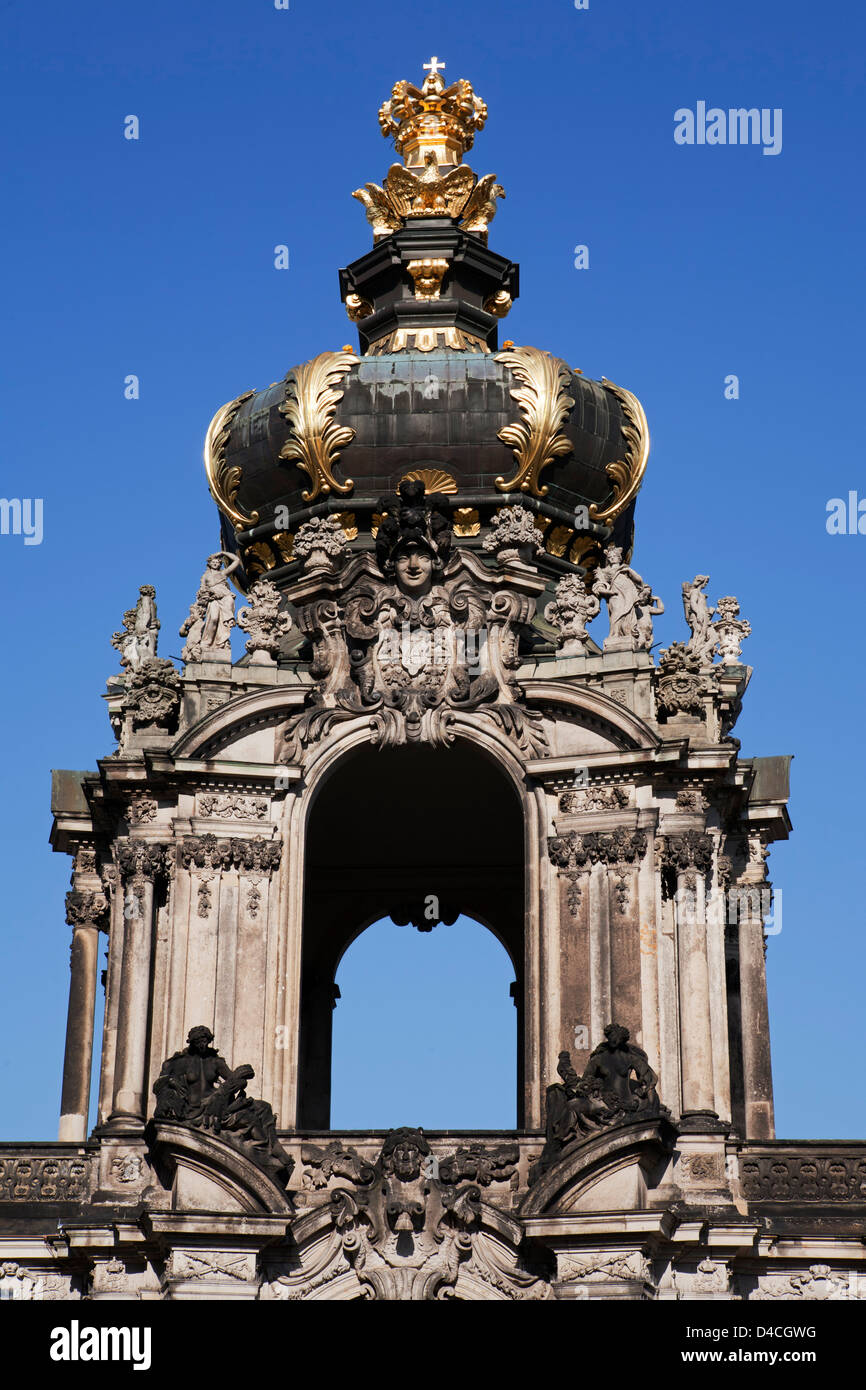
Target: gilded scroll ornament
[
  {"x": 312, "y": 397},
  {"x": 626, "y": 474},
  {"x": 224, "y": 482},
  {"x": 544, "y": 404}
]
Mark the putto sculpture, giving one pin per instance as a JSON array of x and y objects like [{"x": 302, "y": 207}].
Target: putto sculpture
[
  {"x": 572, "y": 608},
  {"x": 196, "y": 1087},
  {"x": 212, "y": 616},
  {"x": 137, "y": 642}
]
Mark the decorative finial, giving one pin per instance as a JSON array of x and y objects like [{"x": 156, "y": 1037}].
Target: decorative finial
[
  {"x": 433, "y": 126},
  {"x": 432, "y": 119}
]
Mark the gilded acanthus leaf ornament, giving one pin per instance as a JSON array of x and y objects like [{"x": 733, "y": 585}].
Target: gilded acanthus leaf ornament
[
  {"x": 626, "y": 474},
  {"x": 544, "y": 404},
  {"x": 222, "y": 481},
  {"x": 312, "y": 397}
]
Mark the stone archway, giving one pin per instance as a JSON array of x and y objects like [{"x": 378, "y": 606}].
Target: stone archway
[{"x": 389, "y": 831}]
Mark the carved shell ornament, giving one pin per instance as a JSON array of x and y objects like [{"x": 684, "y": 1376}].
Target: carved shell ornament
[
  {"x": 312, "y": 397},
  {"x": 626, "y": 474},
  {"x": 222, "y": 481},
  {"x": 545, "y": 403}
]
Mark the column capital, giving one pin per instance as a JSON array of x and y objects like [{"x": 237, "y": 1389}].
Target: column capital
[
  {"x": 87, "y": 910},
  {"x": 141, "y": 859}
]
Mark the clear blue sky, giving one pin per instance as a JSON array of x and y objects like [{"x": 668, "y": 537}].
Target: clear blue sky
[{"x": 155, "y": 257}]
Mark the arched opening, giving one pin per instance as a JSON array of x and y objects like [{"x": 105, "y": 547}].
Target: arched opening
[
  {"x": 411, "y": 834},
  {"x": 441, "y": 1054}
]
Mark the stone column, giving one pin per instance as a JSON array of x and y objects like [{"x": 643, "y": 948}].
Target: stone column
[
  {"x": 140, "y": 863},
  {"x": 86, "y": 913},
  {"x": 689, "y": 857},
  {"x": 757, "y": 1072}
]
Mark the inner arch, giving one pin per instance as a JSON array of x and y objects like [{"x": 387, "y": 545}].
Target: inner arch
[
  {"x": 388, "y": 831},
  {"x": 424, "y": 1030}
]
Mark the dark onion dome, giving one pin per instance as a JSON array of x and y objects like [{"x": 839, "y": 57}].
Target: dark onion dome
[{"x": 430, "y": 393}]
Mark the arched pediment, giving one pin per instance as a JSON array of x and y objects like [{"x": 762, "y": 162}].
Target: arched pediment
[
  {"x": 614, "y": 1170},
  {"x": 207, "y": 1174}
]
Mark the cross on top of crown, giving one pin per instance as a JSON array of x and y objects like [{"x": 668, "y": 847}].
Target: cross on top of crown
[{"x": 434, "y": 67}]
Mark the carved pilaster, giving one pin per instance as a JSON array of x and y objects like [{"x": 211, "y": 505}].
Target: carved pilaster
[
  {"x": 141, "y": 864},
  {"x": 688, "y": 858}
]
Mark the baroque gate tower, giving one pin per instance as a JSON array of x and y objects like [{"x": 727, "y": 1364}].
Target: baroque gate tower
[{"x": 425, "y": 532}]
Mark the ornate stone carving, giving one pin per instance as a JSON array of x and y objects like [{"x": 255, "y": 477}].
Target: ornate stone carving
[
  {"x": 212, "y": 616},
  {"x": 31, "y": 1178},
  {"x": 814, "y": 1177},
  {"x": 137, "y": 642},
  {"x": 730, "y": 630},
  {"x": 570, "y": 611},
  {"x": 690, "y": 850},
  {"x": 87, "y": 909},
  {"x": 680, "y": 684},
  {"x": 601, "y": 1269},
  {"x": 320, "y": 543},
  {"x": 481, "y": 1165},
  {"x": 320, "y": 1165},
  {"x": 142, "y": 809},
  {"x": 410, "y": 1228},
  {"x": 593, "y": 799},
  {"x": 227, "y": 806},
  {"x": 708, "y": 1277},
  {"x": 573, "y": 854},
  {"x": 410, "y": 654},
  {"x": 153, "y": 694},
  {"x": 819, "y": 1283},
  {"x": 138, "y": 860},
  {"x": 196, "y": 1087},
  {"x": 618, "y": 1085},
  {"x": 631, "y": 604},
  {"x": 126, "y": 1169},
  {"x": 208, "y": 852},
  {"x": 513, "y": 536},
  {"x": 266, "y": 621},
  {"x": 545, "y": 404},
  {"x": 315, "y": 443},
  {"x": 702, "y": 642},
  {"x": 691, "y": 799},
  {"x": 19, "y": 1284}
]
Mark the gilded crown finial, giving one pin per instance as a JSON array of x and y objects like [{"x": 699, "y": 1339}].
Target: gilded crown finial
[{"x": 432, "y": 119}]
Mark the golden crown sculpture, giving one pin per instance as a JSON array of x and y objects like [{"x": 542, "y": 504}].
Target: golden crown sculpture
[
  {"x": 432, "y": 119},
  {"x": 432, "y": 126}
]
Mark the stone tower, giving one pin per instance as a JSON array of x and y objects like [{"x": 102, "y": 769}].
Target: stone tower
[{"x": 424, "y": 532}]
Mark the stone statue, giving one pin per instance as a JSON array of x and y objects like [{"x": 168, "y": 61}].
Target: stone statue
[
  {"x": 572, "y": 608},
  {"x": 617, "y": 1085},
  {"x": 730, "y": 630},
  {"x": 137, "y": 642},
  {"x": 631, "y": 604},
  {"x": 619, "y": 1073},
  {"x": 196, "y": 1087},
  {"x": 702, "y": 642},
  {"x": 212, "y": 616},
  {"x": 266, "y": 621}
]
